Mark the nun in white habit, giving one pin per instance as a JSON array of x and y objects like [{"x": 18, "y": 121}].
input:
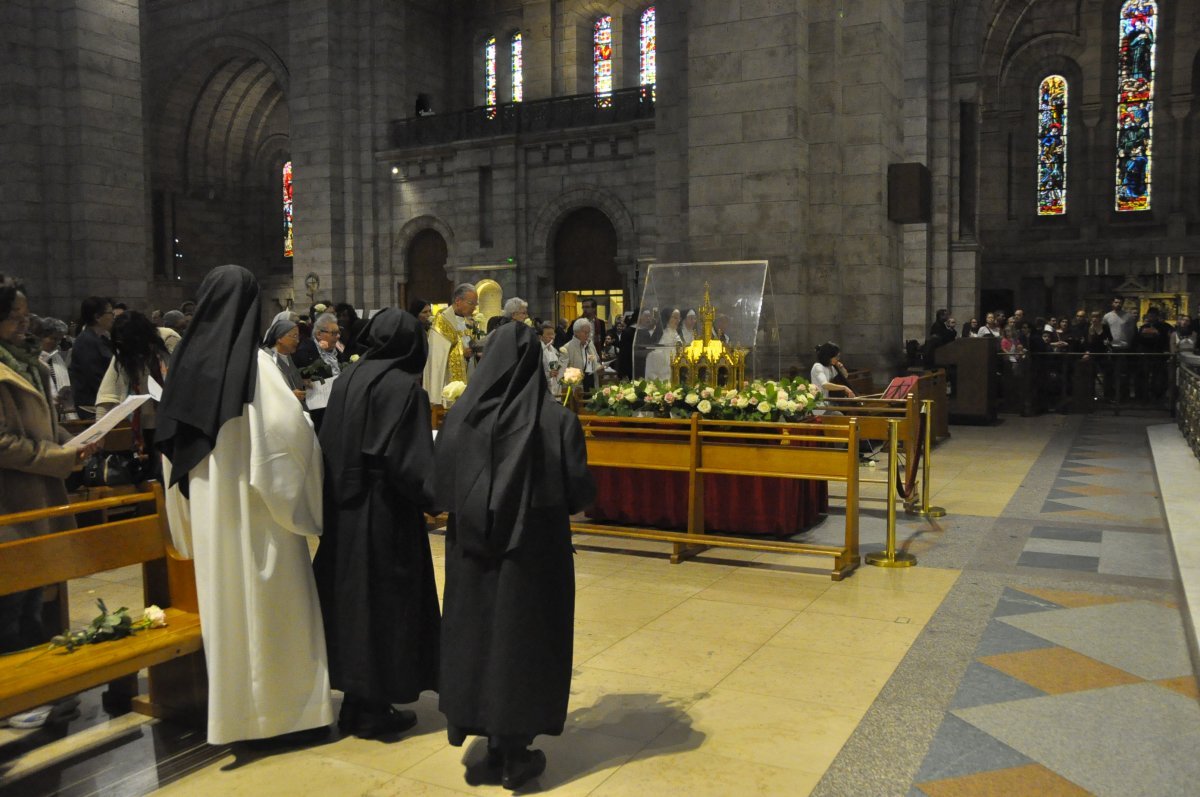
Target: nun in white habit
[{"x": 243, "y": 472}]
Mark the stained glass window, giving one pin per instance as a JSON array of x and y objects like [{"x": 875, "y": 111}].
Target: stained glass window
[
  {"x": 489, "y": 76},
  {"x": 646, "y": 66},
  {"x": 602, "y": 62},
  {"x": 518, "y": 69},
  {"x": 287, "y": 209},
  {"x": 1135, "y": 103},
  {"x": 1052, "y": 146}
]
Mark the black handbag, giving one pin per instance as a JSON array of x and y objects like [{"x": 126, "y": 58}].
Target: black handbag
[{"x": 111, "y": 470}]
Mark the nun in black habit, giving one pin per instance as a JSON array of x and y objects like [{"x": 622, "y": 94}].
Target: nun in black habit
[
  {"x": 374, "y": 569},
  {"x": 511, "y": 469}
]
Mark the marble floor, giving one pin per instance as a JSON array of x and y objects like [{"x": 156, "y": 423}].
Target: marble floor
[{"x": 1038, "y": 648}]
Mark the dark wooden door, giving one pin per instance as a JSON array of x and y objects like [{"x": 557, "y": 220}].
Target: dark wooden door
[
  {"x": 427, "y": 269},
  {"x": 585, "y": 251}
]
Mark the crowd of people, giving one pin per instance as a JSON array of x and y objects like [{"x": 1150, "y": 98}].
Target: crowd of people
[
  {"x": 248, "y": 478},
  {"x": 1117, "y": 330}
]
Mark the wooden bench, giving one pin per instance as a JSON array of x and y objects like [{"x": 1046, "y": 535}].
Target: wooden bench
[
  {"x": 177, "y": 680},
  {"x": 738, "y": 448}
]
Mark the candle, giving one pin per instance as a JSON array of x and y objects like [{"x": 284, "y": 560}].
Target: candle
[
  {"x": 1181, "y": 264},
  {"x": 1156, "y": 264},
  {"x": 1087, "y": 267},
  {"x": 1106, "y": 266},
  {"x": 1168, "y": 264}
]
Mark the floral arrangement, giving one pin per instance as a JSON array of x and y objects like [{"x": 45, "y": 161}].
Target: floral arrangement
[
  {"x": 787, "y": 400},
  {"x": 110, "y": 626},
  {"x": 452, "y": 391},
  {"x": 570, "y": 378}
]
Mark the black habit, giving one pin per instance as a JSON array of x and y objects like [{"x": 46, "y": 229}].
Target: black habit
[
  {"x": 511, "y": 468},
  {"x": 373, "y": 568}
]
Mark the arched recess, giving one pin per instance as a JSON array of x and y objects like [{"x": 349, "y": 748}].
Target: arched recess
[
  {"x": 220, "y": 134},
  {"x": 425, "y": 277},
  {"x": 541, "y": 241},
  {"x": 585, "y": 249}
]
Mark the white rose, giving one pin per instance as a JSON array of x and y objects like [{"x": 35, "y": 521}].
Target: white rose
[
  {"x": 782, "y": 395},
  {"x": 155, "y": 616},
  {"x": 691, "y": 398},
  {"x": 741, "y": 402},
  {"x": 764, "y": 407},
  {"x": 705, "y": 406},
  {"x": 706, "y": 393},
  {"x": 629, "y": 395},
  {"x": 813, "y": 390}
]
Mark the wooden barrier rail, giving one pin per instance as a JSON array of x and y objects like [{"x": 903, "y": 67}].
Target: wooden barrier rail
[
  {"x": 177, "y": 681},
  {"x": 698, "y": 447}
]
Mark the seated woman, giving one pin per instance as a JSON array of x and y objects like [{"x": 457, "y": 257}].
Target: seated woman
[
  {"x": 139, "y": 355},
  {"x": 830, "y": 375},
  {"x": 281, "y": 342}
]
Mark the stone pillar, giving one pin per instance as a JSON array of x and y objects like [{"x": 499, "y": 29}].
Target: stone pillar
[
  {"x": 73, "y": 204},
  {"x": 747, "y": 157},
  {"x": 856, "y": 251}
]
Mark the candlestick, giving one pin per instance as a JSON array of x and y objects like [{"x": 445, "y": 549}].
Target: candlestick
[{"x": 1106, "y": 266}]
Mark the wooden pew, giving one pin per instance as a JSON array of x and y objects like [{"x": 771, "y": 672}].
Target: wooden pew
[
  {"x": 697, "y": 447},
  {"x": 177, "y": 680}
]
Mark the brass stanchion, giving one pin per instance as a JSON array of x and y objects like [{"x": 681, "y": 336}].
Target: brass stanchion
[
  {"x": 927, "y": 510},
  {"x": 889, "y": 557}
]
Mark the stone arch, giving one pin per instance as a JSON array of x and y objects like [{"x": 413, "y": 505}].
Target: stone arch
[
  {"x": 541, "y": 241},
  {"x": 409, "y": 230}
]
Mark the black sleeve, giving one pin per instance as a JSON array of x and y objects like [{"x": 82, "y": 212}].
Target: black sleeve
[
  {"x": 305, "y": 355},
  {"x": 409, "y": 452}
]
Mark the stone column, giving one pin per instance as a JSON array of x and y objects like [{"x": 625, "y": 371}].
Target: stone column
[{"x": 73, "y": 204}]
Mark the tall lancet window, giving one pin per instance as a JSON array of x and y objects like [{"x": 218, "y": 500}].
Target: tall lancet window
[
  {"x": 1135, "y": 103},
  {"x": 1052, "y": 146},
  {"x": 602, "y": 61},
  {"x": 489, "y": 76},
  {"x": 287, "y": 209},
  {"x": 518, "y": 69},
  {"x": 647, "y": 71}
]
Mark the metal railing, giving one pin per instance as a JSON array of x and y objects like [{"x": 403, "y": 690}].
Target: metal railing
[
  {"x": 1188, "y": 408},
  {"x": 1078, "y": 382},
  {"x": 535, "y": 116}
]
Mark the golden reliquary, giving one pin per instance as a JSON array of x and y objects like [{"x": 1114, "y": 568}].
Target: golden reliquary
[{"x": 709, "y": 359}]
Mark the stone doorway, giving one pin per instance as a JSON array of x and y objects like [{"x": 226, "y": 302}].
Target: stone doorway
[
  {"x": 585, "y": 251},
  {"x": 426, "y": 260}
]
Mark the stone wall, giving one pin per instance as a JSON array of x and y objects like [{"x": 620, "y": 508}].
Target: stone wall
[{"x": 72, "y": 186}]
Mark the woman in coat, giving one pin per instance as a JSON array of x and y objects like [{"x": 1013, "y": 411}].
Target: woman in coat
[{"x": 34, "y": 462}]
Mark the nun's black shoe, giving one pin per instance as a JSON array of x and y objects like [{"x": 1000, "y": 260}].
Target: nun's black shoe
[
  {"x": 367, "y": 723},
  {"x": 522, "y": 767}
]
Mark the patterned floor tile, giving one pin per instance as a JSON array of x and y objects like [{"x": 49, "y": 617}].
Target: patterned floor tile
[
  {"x": 1058, "y": 561},
  {"x": 1184, "y": 686},
  {"x": 983, "y": 685},
  {"x": 1017, "y": 602},
  {"x": 960, "y": 748},
  {"x": 1140, "y": 637},
  {"x": 1058, "y": 670},
  {"x": 1059, "y": 533},
  {"x": 1124, "y": 553},
  {"x": 1127, "y": 740},
  {"x": 1068, "y": 547},
  {"x": 1001, "y": 637},
  {"x": 1074, "y": 600},
  {"x": 1030, "y": 779}
]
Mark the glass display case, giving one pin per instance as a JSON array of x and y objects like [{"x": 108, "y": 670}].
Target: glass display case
[{"x": 733, "y": 301}]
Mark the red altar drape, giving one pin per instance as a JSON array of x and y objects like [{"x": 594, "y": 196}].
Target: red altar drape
[{"x": 732, "y": 504}]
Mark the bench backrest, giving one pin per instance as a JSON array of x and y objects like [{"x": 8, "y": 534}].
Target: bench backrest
[{"x": 51, "y": 558}]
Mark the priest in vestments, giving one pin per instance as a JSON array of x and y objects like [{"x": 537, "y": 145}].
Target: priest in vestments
[
  {"x": 511, "y": 469},
  {"x": 374, "y": 568},
  {"x": 451, "y": 355},
  {"x": 243, "y": 474}
]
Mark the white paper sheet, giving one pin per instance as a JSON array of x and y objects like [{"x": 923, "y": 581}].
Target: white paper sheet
[
  {"x": 115, "y": 416},
  {"x": 154, "y": 389},
  {"x": 317, "y": 396}
]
